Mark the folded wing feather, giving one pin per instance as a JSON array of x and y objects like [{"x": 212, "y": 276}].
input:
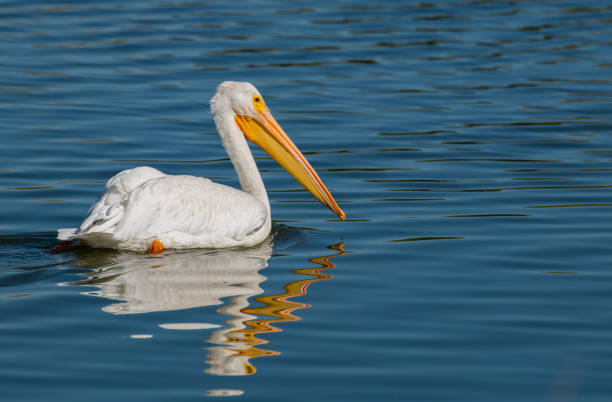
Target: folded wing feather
[{"x": 143, "y": 203}]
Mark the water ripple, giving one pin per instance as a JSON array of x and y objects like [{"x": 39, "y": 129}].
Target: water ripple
[{"x": 431, "y": 122}]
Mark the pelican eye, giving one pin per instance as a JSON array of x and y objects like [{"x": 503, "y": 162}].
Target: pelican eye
[{"x": 259, "y": 104}]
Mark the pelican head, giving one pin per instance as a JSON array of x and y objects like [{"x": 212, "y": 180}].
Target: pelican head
[{"x": 255, "y": 121}]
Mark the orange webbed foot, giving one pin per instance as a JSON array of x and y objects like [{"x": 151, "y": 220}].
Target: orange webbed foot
[{"x": 156, "y": 247}]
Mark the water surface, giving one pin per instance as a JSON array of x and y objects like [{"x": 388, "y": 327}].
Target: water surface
[{"x": 469, "y": 144}]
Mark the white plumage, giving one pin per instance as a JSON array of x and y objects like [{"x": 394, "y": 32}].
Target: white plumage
[{"x": 143, "y": 205}]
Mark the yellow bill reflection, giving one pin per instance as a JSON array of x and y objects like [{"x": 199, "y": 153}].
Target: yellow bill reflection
[
  {"x": 242, "y": 343},
  {"x": 180, "y": 280}
]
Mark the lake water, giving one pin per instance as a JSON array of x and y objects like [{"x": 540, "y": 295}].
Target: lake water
[{"x": 468, "y": 142}]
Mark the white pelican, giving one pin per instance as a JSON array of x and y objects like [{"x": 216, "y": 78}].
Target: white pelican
[{"x": 145, "y": 209}]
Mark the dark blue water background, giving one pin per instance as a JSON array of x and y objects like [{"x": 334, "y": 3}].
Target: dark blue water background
[{"x": 469, "y": 143}]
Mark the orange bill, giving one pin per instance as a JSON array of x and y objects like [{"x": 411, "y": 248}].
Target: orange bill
[{"x": 269, "y": 136}]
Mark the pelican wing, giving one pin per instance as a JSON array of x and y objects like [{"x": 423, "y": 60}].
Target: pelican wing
[
  {"x": 183, "y": 211},
  {"x": 190, "y": 205},
  {"x": 106, "y": 213}
]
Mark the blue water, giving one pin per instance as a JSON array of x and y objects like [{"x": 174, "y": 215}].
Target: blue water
[{"x": 469, "y": 144}]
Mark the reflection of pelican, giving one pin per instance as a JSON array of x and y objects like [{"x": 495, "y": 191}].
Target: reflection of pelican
[
  {"x": 280, "y": 307},
  {"x": 183, "y": 280},
  {"x": 143, "y": 208}
]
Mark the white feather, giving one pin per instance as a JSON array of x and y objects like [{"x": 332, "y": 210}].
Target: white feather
[{"x": 142, "y": 204}]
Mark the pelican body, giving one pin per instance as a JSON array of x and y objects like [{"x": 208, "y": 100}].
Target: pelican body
[{"x": 145, "y": 209}]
